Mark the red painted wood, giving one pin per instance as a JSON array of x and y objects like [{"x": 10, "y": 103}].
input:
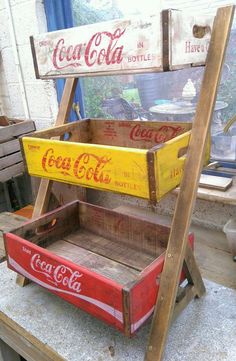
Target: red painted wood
[
  {"x": 143, "y": 295},
  {"x": 85, "y": 289}
]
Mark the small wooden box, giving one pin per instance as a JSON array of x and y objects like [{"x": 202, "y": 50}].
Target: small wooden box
[
  {"x": 11, "y": 162},
  {"x": 139, "y": 158},
  {"x": 103, "y": 262}
]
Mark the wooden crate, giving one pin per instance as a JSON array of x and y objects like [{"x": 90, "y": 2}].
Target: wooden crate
[
  {"x": 163, "y": 41},
  {"x": 139, "y": 158},
  {"x": 104, "y": 262},
  {"x": 8, "y": 221},
  {"x": 11, "y": 163}
]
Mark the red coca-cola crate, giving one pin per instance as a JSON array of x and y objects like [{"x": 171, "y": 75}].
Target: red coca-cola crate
[{"x": 103, "y": 262}]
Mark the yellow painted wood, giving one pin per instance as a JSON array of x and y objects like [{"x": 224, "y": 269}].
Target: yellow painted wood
[
  {"x": 102, "y": 167},
  {"x": 118, "y": 169},
  {"x": 168, "y": 166}
]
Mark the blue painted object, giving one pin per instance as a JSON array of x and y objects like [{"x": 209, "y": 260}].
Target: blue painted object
[{"x": 59, "y": 16}]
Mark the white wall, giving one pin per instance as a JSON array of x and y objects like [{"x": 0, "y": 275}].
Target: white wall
[{"x": 21, "y": 94}]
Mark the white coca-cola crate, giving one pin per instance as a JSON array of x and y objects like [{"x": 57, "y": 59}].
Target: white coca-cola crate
[{"x": 165, "y": 41}]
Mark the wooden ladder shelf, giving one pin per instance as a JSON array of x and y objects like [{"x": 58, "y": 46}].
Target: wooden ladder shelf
[{"x": 179, "y": 254}]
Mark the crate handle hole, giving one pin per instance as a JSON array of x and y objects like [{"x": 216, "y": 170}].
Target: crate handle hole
[
  {"x": 182, "y": 152},
  {"x": 46, "y": 228},
  {"x": 67, "y": 135},
  {"x": 200, "y": 31}
]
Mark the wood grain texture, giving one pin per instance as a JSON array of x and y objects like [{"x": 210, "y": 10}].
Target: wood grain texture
[
  {"x": 80, "y": 127},
  {"x": 12, "y": 171},
  {"x": 132, "y": 45},
  {"x": 135, "y": 134},
  {"x": 10, "y": 160},
  {"x": 46, "y": 229},
  {"x": 94, "y": 262},
  {"x": 210, "y": 247},
  {"x": 112, "y": 250},
  {"x": 24, "y": 343},
  {"x": 7, "y": 353},
  {"x": 8, "y": 221},
  {"x": 15, "y": 130},
  {"x": 188, "y": 189},
  {"x": 134, "y": 232},
  {"x": 41, "y": 203},
  {"x": 45, "y": 188},
  {"x": 112, "y": 167},
  {"x": 9, "y": 147}
]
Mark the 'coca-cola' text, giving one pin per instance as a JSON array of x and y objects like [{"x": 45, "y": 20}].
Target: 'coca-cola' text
[
  {"x": 87, "y": 166},
  {"x": 102, "y": 48},
  {"x": 161, "y": 135},
  {"x": 57, "y": 275}
]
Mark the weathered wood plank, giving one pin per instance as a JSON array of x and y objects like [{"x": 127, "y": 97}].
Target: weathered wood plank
[
  {"x": 47, "y": 229},
  {"x": 24, "y": 342},
  {"x": 121, "y": 46},
  {"x": 10, "y": 160},
  {"x": 137, "y": 233},
  {"x": 9, "y": 147},
  {"x": 94, "y": 262},
  {"x": 95, "y": 166},
  {"x": 41, "y": 203},
  {"x": 113, "y": 168},
  {"x": 8, "y": 221},
  {"x": 121, "y": 133},
  {"x": 7, "y": 353},
  {"x": 15, "y": 130},
  {"x": 12, "y": 171},
  {"x": 80, "y": 127},
  {"x": 189, "y": 294},
  {"x": 135, "y": 134},
  {"x": 114, "y": 250}
]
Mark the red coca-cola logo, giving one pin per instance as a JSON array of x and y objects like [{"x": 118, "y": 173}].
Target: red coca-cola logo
[
  {"x": 161, "y": 135},
  {"x": 84, "y": 170},
  {"x": 87, "y": 166},
  {"x": 102, "y": 48}
]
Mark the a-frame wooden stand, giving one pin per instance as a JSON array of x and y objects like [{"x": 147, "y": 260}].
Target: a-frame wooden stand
[{"x": 178, "y": 253}]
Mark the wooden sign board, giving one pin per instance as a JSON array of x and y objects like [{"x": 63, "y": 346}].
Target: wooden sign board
[
  {"x": 189, "y": 39},
  {"x": 163, "y": 41}
]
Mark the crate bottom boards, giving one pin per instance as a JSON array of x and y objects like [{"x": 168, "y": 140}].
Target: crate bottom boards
[{"x": 104, "y": 262}]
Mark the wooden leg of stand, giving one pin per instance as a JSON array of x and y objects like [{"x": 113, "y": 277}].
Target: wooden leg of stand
[
  {"x": 192, "y": 272},
  {"x": 45, "y": 187},
  {"x": 184, "y": 206}
]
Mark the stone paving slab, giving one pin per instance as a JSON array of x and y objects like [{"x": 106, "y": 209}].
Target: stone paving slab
[{"x": 205, "y": 331}]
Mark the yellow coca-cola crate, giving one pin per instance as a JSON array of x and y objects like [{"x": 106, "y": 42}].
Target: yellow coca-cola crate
[{"x": 139, "y": 158}]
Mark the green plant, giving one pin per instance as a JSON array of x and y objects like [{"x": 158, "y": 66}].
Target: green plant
[{"x": 96, "y": 89}]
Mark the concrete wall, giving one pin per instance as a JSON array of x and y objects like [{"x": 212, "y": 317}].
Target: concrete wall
[
  {"x": 21, "y": 94},
  {"x": 208, "y": 214}
]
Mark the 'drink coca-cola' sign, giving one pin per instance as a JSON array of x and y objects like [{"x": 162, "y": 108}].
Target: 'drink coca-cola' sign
[{"x": 122, "y": 46}]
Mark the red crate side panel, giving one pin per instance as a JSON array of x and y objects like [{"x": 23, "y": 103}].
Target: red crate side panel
[
  {"x": 143, "y": 295},
  {"x": 85, "y": 289}
]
